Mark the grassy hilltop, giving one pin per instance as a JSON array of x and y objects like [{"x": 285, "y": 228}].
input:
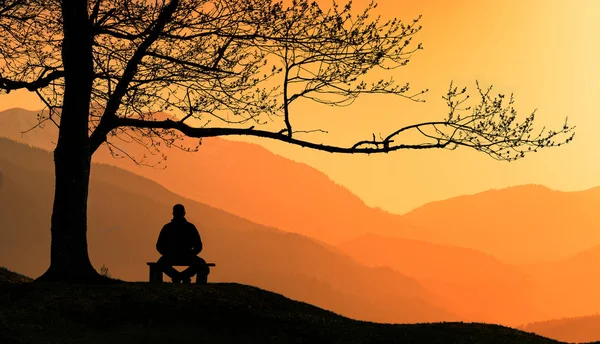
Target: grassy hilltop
[{"x": 217, "y": 312}]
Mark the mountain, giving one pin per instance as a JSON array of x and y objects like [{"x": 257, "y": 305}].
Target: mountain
[
  {"x": 213, "y": 313},
  {"x": 521, "y": 225},
  {"x": 127, "y": 211},
  {"x": 567, "y": 287},
  {"x": 573, "y": 330},
  {"x": 242, "y": 178},
  {"x": 23, "y": 126},
  {"x": 475, "y": 285}
]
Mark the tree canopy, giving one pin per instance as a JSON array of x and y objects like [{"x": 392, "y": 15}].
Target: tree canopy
[{"x": 229, "y": 67}]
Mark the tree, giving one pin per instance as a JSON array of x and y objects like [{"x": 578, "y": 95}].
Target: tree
[{"x": 106, "y": 69}]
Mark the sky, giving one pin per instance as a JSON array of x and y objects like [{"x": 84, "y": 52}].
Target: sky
[{"x": 544, "y": 51}]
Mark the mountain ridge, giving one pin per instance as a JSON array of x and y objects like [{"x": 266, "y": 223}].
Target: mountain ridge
[
  {"x": 245, "y": 195},
  {"x": 532, "y": 224},
  {"x": 256, "y": 184},
  {"x": 474, "y": 284}
]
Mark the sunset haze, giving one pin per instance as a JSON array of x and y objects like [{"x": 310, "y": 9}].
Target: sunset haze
[{"x": 399, "y": 237}]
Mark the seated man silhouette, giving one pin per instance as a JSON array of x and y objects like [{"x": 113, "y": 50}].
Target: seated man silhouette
[{"x": 179, "y": 243}]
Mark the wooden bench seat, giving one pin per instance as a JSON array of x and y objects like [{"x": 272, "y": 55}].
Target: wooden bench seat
[{"x": 156, "y": 274}]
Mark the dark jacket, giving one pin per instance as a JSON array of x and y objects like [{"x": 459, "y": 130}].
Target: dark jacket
[{"x": 179, "y": 238}]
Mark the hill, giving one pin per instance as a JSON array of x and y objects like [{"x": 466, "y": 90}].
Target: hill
[
  {"x": 7, "y": 276},
  {"x": 126, "y": 212},
  {"x": 141, "y": 312},
  {"x": 473, "y": 284},
  {"x": 576, "y": 329}
]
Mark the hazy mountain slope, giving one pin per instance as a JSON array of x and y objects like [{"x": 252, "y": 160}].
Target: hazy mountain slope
[
  {"x": 524, "y": 224},
  {"x": 22, "y": 125},
  {"x": 475, "y": 285},
  {"x": 124, "y": 226},
  {"x": 574, "y": 330},
  {"x": 244, "y": 179},
  {"x": 569, "y": 287}
]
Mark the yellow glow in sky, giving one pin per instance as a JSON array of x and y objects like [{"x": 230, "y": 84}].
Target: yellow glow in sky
[{"x": 545, "y": 51}]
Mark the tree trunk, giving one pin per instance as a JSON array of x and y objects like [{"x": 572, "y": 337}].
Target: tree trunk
[{"x": 69, "y": 259}]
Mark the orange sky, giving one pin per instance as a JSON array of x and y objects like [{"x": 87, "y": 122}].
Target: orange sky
[{"x": 545, "y": 51}]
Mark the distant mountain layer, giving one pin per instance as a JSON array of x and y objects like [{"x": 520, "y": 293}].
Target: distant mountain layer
[
  {"x": 126, "y": 213},
  {"x": 573, "y": 330},
  {"x": 568, "y": 287},
  {"x": 523, "y": 224},
  {"x": 241, "y": 178},
  {"x": 473, "y": 284},
  {"x": 480, "y": 287},
  {"x": 519, "y": 225}
]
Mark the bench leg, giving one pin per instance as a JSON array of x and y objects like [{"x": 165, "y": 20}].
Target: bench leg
[
  {"x": 202, "y": 276},
  {"x": 156, "y": 275}
]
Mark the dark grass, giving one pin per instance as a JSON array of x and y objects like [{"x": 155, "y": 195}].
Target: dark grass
[{"x": 213, "y": 313}]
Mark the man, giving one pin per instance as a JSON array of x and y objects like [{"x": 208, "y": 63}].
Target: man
[{"x": 179, "y": 243}]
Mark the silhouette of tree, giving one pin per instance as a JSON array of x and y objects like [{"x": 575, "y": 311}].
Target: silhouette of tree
[{"x": 105, "y": 69}]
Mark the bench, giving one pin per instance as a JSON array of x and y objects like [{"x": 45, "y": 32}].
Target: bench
[{"x": 156, "y": 274}]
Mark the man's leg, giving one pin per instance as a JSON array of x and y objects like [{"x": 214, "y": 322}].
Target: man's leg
[
  {"x": 188, "y": 273},
  {"x": 166, "y": 265}
]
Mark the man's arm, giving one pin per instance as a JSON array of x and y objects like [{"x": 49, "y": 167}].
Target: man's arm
[
  {"x": 195, "y": 239},
  {"x": 161, "y": 245}
]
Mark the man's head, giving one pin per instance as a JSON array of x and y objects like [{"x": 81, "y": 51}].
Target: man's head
[{"x": 178, "y": 210}]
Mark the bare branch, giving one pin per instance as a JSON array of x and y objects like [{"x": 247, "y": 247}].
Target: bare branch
[
  {"x": 211, "y": 132},
  {"x": 42, "y": 81},
  {"x": 188, "y": 63}
]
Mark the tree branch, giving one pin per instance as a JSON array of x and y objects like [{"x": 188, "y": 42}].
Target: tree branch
[
  {"x": 187, "y": 63},
  {"x": 114, "y": 101},
  {"x": 212, "y": 132},
  {"x": 42, "y": 81}
]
